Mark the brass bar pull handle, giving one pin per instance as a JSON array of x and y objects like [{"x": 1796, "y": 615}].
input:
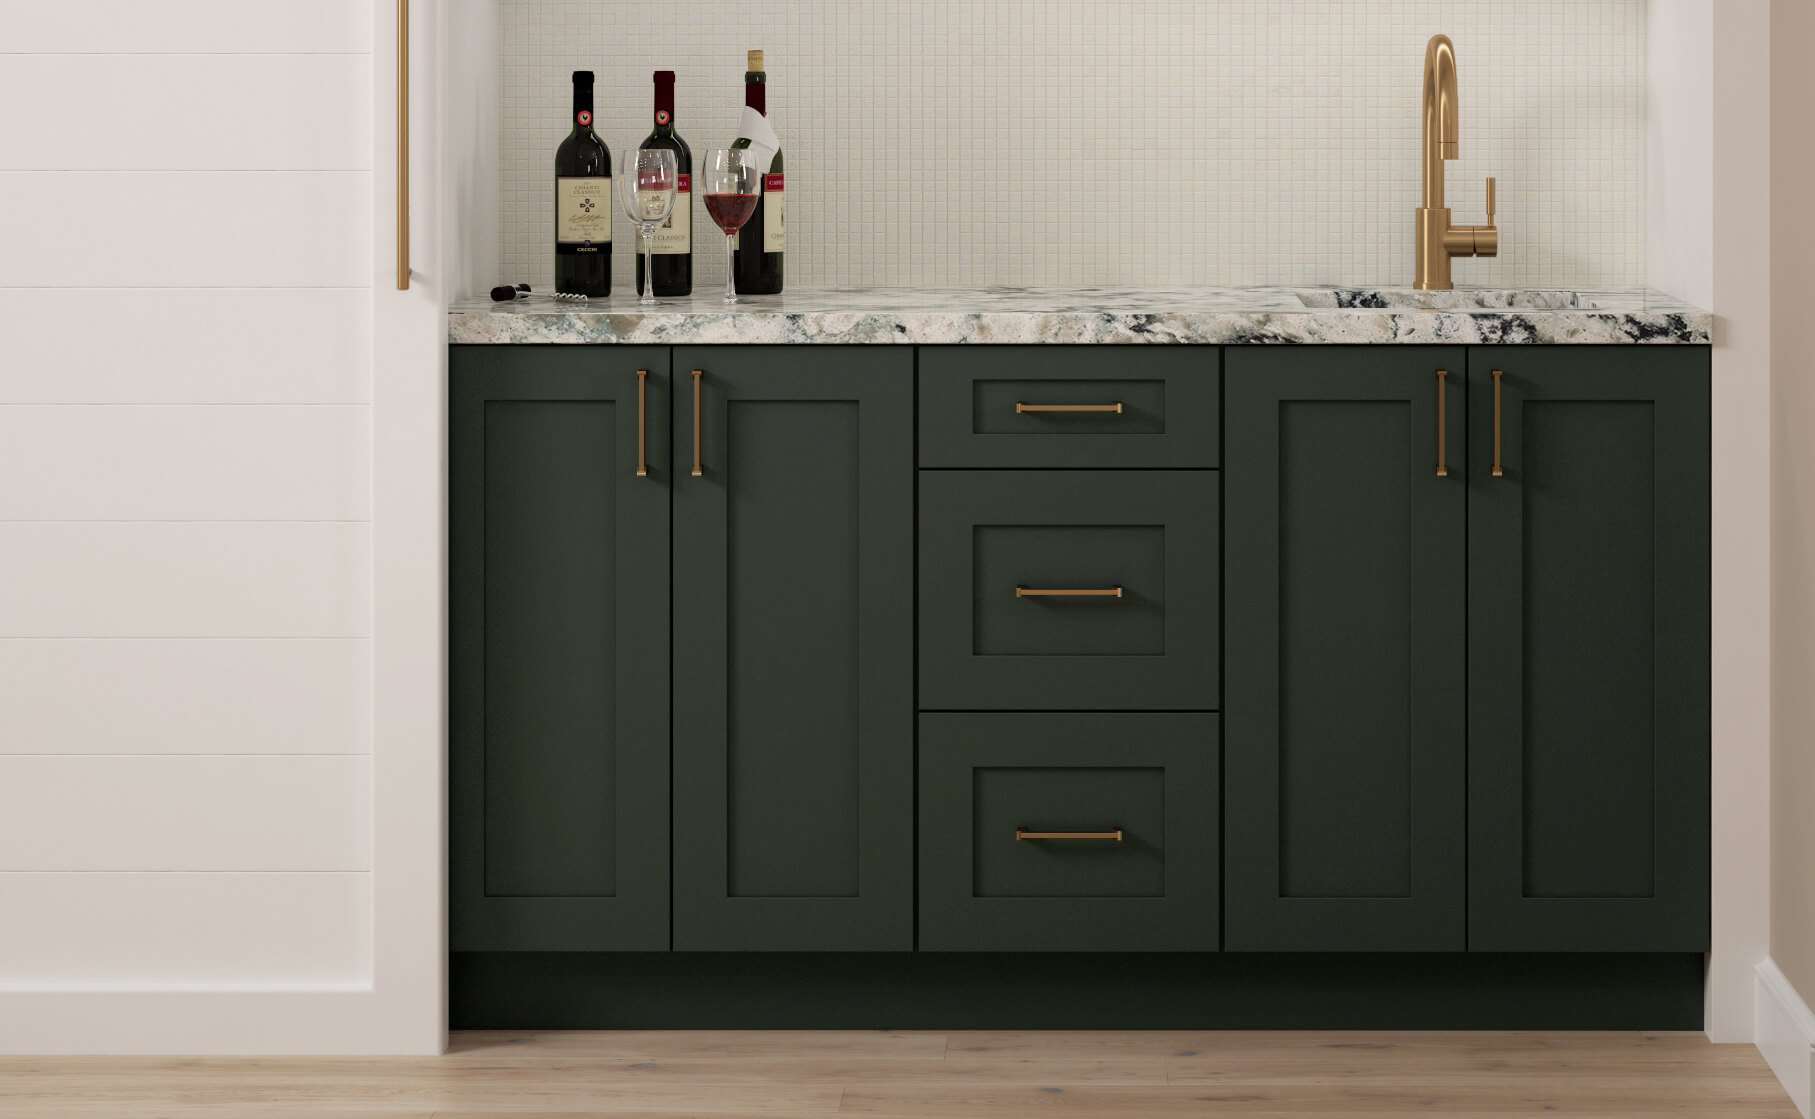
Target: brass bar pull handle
[
  {"x": 1021, "y": 406},
  {"x": 642, "y": 423},
  {"x": 1442, "y": 414},
  {"x": 1497, "y": 471},
  {"x": 1068, "y": 592},
  {"x": 403, "y": 145},
  {"x": 697, "y": 374},
  {"x": 1025, "y": 833}
]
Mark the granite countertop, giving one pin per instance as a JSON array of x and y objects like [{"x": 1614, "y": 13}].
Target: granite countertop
[{"x": 1203, "y": 316}]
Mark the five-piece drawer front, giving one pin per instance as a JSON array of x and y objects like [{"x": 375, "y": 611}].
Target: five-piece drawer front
[
  {"x": 1069, "y": 590},
  {"x": 1068, "y": 832},
  {"x": 1069, "y": 406}
]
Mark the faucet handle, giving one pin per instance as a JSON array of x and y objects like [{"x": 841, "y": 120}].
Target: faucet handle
[{"x": 1490, "y": 200}]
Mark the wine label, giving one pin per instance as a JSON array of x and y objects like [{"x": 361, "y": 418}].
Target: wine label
[
  {"x": 764, "y": 143},
  {"x": 775, "y": 231},
  {"x": 675, "y": 237},
  {"x": 583, "y": 210}
]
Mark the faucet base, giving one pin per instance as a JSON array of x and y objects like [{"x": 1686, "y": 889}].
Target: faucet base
[{"x": 1432, "y": 255}]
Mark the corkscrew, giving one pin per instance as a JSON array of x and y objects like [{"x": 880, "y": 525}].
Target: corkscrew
[{"x": 504, "y": 293}]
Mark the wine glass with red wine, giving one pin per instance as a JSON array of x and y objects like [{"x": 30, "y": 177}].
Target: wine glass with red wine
[{"x": 733, "y": 184}]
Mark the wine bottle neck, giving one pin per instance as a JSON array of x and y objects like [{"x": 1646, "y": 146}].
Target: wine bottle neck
[
  {"x": 756, "y": 91},
  {"x": 582, "y": 109},
  {"x": 664, "y": 106}
]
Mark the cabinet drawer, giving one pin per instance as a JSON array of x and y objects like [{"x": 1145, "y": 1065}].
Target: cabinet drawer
[
  {"x": 1068, "y": 832},
  {"x": 1068, "y": 590},
  {"x": 1069, "y": 406}
]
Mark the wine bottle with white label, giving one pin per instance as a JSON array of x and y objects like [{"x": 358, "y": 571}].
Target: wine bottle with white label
[
  {"x": 583, "y": 203},
  {"x": 757, "y": 264},
  {"x": 673, "y": 265}
]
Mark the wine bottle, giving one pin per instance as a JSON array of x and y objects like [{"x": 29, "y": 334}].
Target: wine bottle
[
  {"x": 583, "y": 203},
  {"x": 674, "y": 240},
  {"x": 756, "y": 265}
]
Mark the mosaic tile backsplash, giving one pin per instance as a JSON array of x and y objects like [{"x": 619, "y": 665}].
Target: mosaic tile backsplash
[{"x": 1111, "y": 142}]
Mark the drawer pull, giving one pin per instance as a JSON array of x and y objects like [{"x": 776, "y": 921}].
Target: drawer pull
[
  {"x": 1026, "y": 833},
  {"x": 1068, "y": 592},
  {"x": 1021, "y": 407}
]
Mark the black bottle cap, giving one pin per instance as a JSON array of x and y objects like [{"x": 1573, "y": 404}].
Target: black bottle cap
[{"x": 582, "y": 77}]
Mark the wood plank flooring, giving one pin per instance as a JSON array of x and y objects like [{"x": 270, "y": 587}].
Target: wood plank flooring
[{"x": 978, "y": 1075}]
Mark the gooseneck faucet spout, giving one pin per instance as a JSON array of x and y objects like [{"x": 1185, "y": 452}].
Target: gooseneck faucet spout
[
  {"x": 1438, "y": 240},
  {"x": 1441, "y": 129}
]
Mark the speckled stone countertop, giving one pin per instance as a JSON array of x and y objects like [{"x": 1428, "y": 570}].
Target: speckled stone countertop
[{"x": 1005, "y": 315}]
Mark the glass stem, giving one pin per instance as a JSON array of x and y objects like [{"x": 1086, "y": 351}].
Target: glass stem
[
  {"x": 648, "y": 265},
  {"x": 730, "y": 263}
]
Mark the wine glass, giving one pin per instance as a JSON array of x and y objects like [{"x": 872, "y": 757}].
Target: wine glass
[
  {"x": 646, "y": 184},
  {"x": 733, "y": 184}
]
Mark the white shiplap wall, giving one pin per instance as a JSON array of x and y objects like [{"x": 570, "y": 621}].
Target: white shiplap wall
[
  {"x": 1111, "y": 141},
  {"x": 185, "y": 537}
]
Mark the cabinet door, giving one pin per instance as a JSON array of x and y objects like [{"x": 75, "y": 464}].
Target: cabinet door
[
  {"x": 1589, "y": 649},
  {"x": 794, "y": 648},
  {"x": 1343, "y": 653},
  {"x": 559, "y": 656}
]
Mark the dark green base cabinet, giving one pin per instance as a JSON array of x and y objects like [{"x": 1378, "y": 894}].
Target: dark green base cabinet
[
  {"x": 1016, "y": 686},
  {"x": 782, "y": 663},
  {"x": 1553, "y": 554}
]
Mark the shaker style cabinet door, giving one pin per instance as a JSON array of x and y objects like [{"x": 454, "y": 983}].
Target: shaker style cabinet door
[
  {"x": 1344, "y": 675},
  {"x": 1588, "y": 654},
  {"x": 794, "y": 648},
  {"x": 559, "y": 656}
]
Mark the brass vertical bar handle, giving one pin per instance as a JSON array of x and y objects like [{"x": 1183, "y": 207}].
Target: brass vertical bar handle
[
  {"x": 1028, "y": 833},
  {"x": 642, "y": 423},
  {"x": 1442, "y": 412},
  {"x": 697, "y": 374},
  {"x": 1497, "y": 471},
  {"x": 403, "y": 145}
]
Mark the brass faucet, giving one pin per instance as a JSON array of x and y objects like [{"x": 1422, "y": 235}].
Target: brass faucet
[{"x": 1438, "y": 240}]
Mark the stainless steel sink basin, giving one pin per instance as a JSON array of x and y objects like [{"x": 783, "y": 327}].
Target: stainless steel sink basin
[{"x": 1462, "y": 299}]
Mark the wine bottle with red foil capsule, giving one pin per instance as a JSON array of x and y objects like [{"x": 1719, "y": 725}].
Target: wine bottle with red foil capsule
[
  {"x": 673, "y": 265},
  {"x": 583, "y": 203},
  {"x": 762, "y": 243}
]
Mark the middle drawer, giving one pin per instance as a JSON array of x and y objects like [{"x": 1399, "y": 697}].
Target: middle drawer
[{"x": 1053, "y": 590}]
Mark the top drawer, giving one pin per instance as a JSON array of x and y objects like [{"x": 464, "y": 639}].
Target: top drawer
[{"x": 1070, "y": 406}]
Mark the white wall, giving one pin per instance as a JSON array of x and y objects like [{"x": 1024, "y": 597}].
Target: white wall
[
  {"x": 1740, "y": 277},
  {"x": 185, "y": 528},
  {"x": 1112, "y": 141}
]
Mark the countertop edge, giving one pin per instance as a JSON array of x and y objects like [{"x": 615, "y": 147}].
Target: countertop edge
[{"x": 1224, "y": 328}]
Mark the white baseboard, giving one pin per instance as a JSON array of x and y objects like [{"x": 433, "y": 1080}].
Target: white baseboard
[{"x": 1785, "y": 1032}]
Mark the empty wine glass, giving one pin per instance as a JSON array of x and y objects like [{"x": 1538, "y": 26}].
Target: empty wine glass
[
  {"x": 646, "y": 184},
  {"x": 733, "y": 184}
]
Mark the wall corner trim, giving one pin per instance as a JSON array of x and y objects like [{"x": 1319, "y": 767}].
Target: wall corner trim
[{"x": 1785, "y": 1030}]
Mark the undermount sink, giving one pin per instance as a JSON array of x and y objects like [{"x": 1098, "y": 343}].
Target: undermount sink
[{"x": 1461, "y": 299}]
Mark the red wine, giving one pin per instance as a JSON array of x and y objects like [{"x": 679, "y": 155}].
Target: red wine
[
  {"x": 673, "y": 265},
  {"x": 583, "y": 203},
  {"x": 729, "y": 211},
  {"x": 756, "y": 265}
]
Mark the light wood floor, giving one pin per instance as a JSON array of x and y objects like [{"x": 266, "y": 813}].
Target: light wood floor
[{"x": 1083, "y": 1075}]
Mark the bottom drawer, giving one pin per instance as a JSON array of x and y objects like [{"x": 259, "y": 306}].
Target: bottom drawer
[{"x": 1068, "y": 832}]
